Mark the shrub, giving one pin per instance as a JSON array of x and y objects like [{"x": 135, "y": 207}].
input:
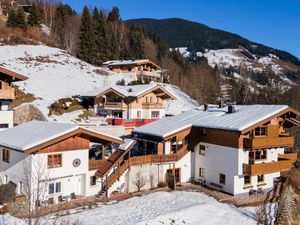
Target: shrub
[{"x": 161, "y": 184}]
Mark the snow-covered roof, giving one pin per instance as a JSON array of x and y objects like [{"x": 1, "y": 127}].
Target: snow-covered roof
[
  {"x": 126, "y": 62},
  {"x": 127, "y": 91},
  {"x": 127, "y": 144},
  {"x": 34, "y": 133},
  {"x": 216, "y": 118}
]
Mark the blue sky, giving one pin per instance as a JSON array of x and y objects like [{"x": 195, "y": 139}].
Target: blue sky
[{"x": 275, "y": 23}]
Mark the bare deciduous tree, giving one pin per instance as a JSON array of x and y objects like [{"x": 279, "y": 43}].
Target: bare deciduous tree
[
  {"x": 139, "y": 181},
  {"x": 35, "y": 181},
  {"x": 71, "y": 34}
]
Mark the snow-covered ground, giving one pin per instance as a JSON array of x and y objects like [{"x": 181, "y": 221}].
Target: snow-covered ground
[
  {"x": 168, "y": 208},
  {"x": 54, "y": 74}
]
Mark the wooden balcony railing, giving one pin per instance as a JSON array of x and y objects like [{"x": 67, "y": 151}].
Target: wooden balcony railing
[
  {"x": 145, "y": 159},
  {"x": 114, "y": 176},
  {"x": 113, "y": 105},
  {"x": 266, "y": 168},
  {"x": 7, "y": 93},
  {"x": 151, "y": 105},
  {"x": 95, "y": 164},
  {"x": 289, "y": 155},
  {"x": 267, "y": 142}
]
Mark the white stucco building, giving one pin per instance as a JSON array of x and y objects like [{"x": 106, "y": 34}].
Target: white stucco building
[{"x": 234, "y": 149}]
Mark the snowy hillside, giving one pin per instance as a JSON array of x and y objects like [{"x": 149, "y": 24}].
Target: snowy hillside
[
  {"x": 243, "y": 59},
  {"x": 54, "y": 74}
]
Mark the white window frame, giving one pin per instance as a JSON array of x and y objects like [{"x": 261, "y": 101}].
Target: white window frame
[{"x": 54, "y": 190}]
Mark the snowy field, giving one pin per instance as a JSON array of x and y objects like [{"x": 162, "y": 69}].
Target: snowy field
[
  {"x": 54, "y": 74},
  {"x": 168, "y": 208}
]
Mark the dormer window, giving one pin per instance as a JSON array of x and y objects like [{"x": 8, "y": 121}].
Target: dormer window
[{"x": 260, "y": 131}]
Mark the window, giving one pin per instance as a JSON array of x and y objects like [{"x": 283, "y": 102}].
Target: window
[
  {"x": 93, "y": 180},
  {"x": 54, "y": 160},
  {"x": 260, "y": 178},
  {"x": 138, "y": 114},
  {"x": 201, "y": 172},
  {"x": 222, "y": 179},
  {"x": 54, "y": 188},
  {"x": 261, "y": 154},
  {"x": 155, "y": 114},
  {"x": 5, "y": 155},
  {"x": 3, "y": 125},
  {"x": 203, "y": 131},
  {"x": 151, "y": 99},
  {"x": 0, "y": 84},
  {"x": 202, "y": 150},
  {"x": 186, "y": 140},
  {"x": 260, "y": 131},
  {"x": 247, "y": 180}
]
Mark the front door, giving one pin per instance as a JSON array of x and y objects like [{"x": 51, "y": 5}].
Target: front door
[{"x": 80, "y": 184}]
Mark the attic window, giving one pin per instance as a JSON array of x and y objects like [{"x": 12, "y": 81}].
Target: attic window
[{"x": 260, "y": 131}]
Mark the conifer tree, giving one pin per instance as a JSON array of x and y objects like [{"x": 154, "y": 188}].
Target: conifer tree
[
  {"x": 16, "y": 19},
  {"x": 114, "y": 15},
  {"x": 12, "y": 18},
  {"x": 87, "y": 46},
  {"x": 101, "y": 37},
  {"x": 34, "y": 17}
]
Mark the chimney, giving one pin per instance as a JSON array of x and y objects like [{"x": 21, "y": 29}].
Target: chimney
[
  {"x": 205, "y": 107},
  {"x": 231, "y": 109}
]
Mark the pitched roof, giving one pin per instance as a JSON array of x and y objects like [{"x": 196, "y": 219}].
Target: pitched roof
[
  {"x": 127, "y": 91},
  {"x": 14, "y": 75},
  {"x": 128, "y": 62},
  {"x": 215, "y": 118},
  {"x": 35, "y": 133}
]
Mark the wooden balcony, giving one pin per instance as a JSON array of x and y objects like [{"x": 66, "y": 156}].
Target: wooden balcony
[
  {"x": 266, "y": 168},
  {"x": 8, "y": 93},
  {"x": 268, "y": 142},
  {"x": 113, "y": 105},
  {"x": 148, "y": 105},
  {"x": 289, "y": 156},
  {"x": 160, "y": 159}
]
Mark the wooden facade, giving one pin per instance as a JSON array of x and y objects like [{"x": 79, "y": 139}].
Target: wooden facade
[
  {"x": 6, "y": 79},
  {"x": 69, "y": 144},
  {"x": 133, "y": 66}
]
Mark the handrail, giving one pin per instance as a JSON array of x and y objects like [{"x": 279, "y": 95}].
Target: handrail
[
  {"x": 113, "y": 177},
  {"x": 145, "y": 159}
]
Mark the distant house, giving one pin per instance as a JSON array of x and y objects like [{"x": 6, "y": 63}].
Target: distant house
[
  {"x": 143, "y": 68},
  {"x": 5, "y": 5},
  {"x": 130, "y": 106},
  {"x": 7, "y": 95}
]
